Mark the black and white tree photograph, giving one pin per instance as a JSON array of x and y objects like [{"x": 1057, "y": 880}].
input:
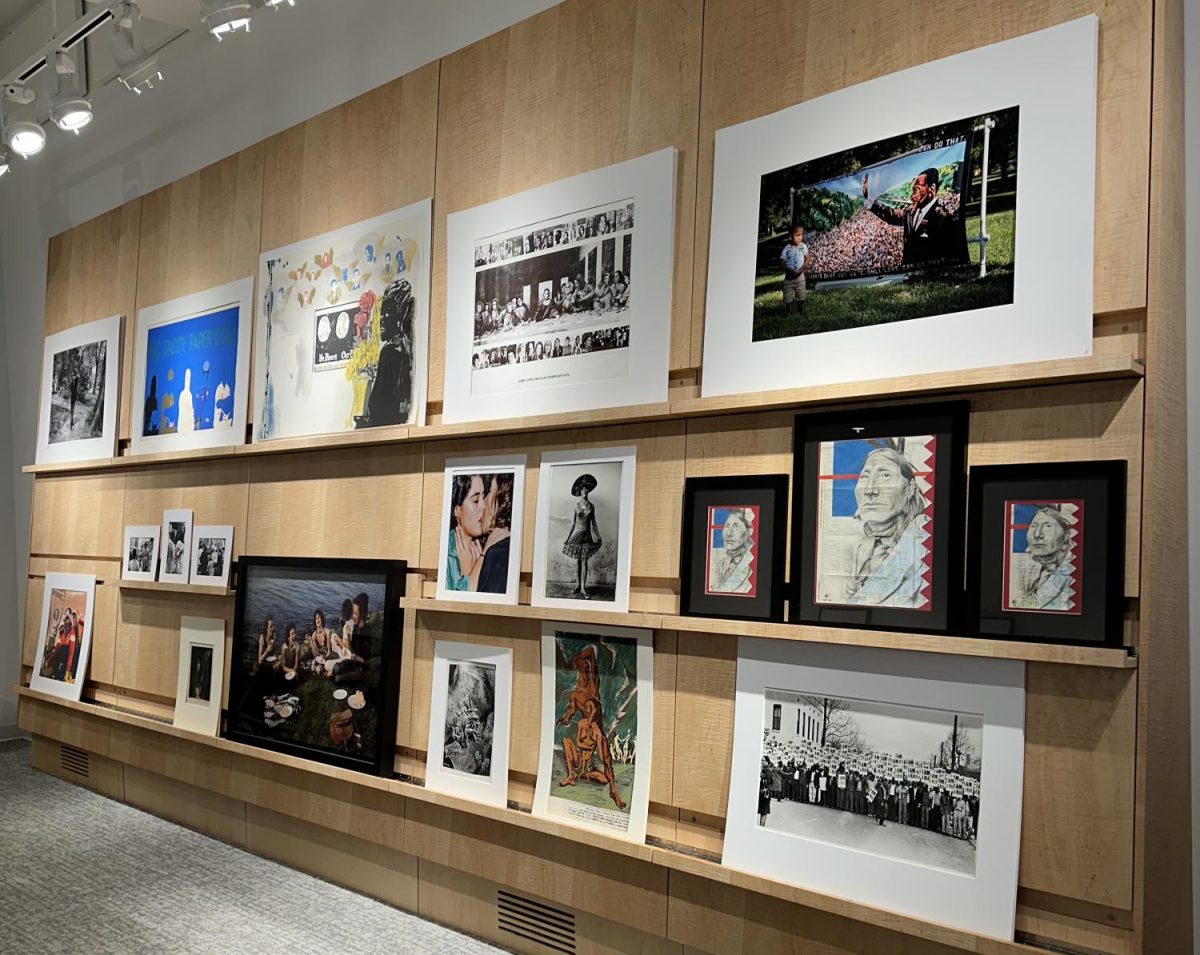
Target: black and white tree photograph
[
  {"x": 886, "y": 779},
  {"x": 77, "y": 392},
  {"x": 470, "y": 717}
]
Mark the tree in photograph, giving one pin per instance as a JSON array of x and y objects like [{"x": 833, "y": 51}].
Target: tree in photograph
[
  {"x": 958, "y": 751},
  {"x": 839, "y": 728}
]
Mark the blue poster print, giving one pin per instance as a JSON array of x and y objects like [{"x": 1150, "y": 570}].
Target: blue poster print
[{"x": 190, "y": 373}]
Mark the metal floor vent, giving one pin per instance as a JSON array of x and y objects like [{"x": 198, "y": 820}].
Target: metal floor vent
[
  {"x": 536, "y": 922},
  {"x": 74, "y": 760}
]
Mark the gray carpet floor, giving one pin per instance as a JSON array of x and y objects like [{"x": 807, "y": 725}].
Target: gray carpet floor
[{"x": 83, "y": 873}]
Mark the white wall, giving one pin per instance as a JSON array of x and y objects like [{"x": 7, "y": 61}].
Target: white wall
[{"x": 216, "y": 100}]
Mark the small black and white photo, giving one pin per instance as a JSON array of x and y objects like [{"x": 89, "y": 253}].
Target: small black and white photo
[
  {"x": 896, "y": 781},
  {"x": 140, "y": 559},
  {"x": 176, "y": 547},
  {"x": 77, "y": 392},
  {"x": 212, "y": 553},
  {"x": 583, "y": 531},
  {"x": 200, "y": 674},
  {"x": 470, "y": 717},
  {"x": 211, "y": 556}
]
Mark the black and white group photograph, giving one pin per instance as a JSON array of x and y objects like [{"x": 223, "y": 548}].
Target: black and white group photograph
[
  {"x": 901, "y": 782},
  {"x": 77, "y": 392},
  {"x": 582, "y": 544},
  {"x": 200, "y": 674},
  {"x": 175, "y": 552},
  {"x": 210, "y": 556},
  {"x": 470, "y": 717},
  {"x": 140, "y": 557}
]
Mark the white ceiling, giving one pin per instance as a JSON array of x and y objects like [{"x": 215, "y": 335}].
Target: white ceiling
[{"x": 13, "y": 10}]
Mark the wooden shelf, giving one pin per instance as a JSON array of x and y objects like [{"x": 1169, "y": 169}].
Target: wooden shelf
[
  {"x": 666, "y": 858},
  {"x": 1109, "y": 657},
  {"x": 999, "y": 377},
  {"x": 174, "y": 588}
]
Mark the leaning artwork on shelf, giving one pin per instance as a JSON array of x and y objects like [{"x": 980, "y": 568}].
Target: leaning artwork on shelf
[
  {"x": 559, "y": 298},
  {"x": 483, "y": 516},
  {"x": 176, "y": 546},
  {"x": 212, "y": 554},
  {"x": 584, "y": 529},
  {"x": 597, "y": 728},
  {"x": 885, "y": 777},
  {"x": 65, "y": 635},
  {"x": 469, "y": 716},
  {"x": 342, "y": 336},
  {"x": 190, "y": 371},
  {"x": 201, "y": 670},
  {"x": 80, "y": 393},
  {"x": 880, "y": 231},
  {"x": 140, "y": 552},
  {"x": 315, "y": 665}
]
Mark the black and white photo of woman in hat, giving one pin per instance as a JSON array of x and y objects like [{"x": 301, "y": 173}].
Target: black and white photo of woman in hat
[{"x": 584, "y": 539}]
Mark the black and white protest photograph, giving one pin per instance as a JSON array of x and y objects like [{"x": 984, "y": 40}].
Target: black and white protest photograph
[
  {"x": 77, "y": 392},
  {"x": 200, "y": 674},
  {"x": 892, "y": 780},
  {"x": 470, "y": 717}
]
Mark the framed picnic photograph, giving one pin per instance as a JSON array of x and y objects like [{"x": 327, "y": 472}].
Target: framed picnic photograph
[
  {"x": 583, "y": 535},
  {"x": 190, "y": 371},
  {"x": 469, "y": 718},
  {"x": 81, "y": 378},
  {"x": 315, "y": 667},
  {"x": 141, "y": 552},
  {"x": 559, "y": 298},
  {"x": 176, "y": 546},
  {"x": 342, "y": 337},
  {"x": 483, "y": 514},
  {"x": 201, "y": 671},
  {"x": 65, "y": 636},
  {"x": 878, "y": 504},
  {"x": 879, "y": 231},
  {"x": 212, "y": 554},
  {"x": 597, "y": 728},
  {"x": 731, "y": 562},
  {"x": 1046, "y": 557},
  {"x": 888, "y": 778}
]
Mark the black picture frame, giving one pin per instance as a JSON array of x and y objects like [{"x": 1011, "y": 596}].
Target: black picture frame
[
  {"x": 942, "y": 612},
  {"x": 288, "y": 587},
  {"x": 1082, "y": 605},
  {"x": 769, "y": 493}
]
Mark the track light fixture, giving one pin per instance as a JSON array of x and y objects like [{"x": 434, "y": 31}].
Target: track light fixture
[
  {"x": 69, "y": 109},
  {"x": 225, "y": 17},
  {"x": 4, "y": 161},
  {"x": 139, "y": 70},
  {"x": 24, "y": 136}
]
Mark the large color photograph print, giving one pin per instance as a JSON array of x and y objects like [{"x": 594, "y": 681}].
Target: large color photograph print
[
  {"x": 311, "y": 663},
  {"x": 191, "y": 368},
  {"x": 885, "y": 232}
]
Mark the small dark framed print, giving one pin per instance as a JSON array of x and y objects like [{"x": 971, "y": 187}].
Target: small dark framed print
[
  {"x": 731, "y": 561},
  {"x": 1047, "y": 551},
  {"x": 877, "y": 508}
]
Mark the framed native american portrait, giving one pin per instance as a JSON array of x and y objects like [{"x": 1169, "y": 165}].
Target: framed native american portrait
[
  {"x": 732, "y": 557},
  {"x": 878, "y": 499},
  {"x": 1047, "y": 545}
]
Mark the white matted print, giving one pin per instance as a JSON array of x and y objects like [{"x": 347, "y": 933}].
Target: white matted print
[
  {"x": 176, "y": 546},
  {"x": 469, "y": 722},
  {"x": 212, "y": 553},
  {"x": 889, "y": 778},
  {"x": 201, "y": 670},
  {"x": 80, "y": 383},
  {"x": 65, "y": 636},
  {"x": 886, "y": 280},
  {"x": 191, "y": 371},
  {"x": 597, "y": 728},
  {"x": 559, "y": 298},
  {"x": 584, "y": 529},
  {"x": 342, "y": 337},
  {"x": 483, "y": 513},
  {"x": 140, "y": 552}
]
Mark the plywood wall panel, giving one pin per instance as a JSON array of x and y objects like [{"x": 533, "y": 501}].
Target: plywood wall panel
[
  {"x": 580, "y": 86},
  {"x": 356, "y": 502},
  {"x": 35, "y": 593},
  {"x": 1078, "y": 818},
  {"x": 366, "y": 157},
  {"x": 216, "y": 492},
  {"x": 705, "y": 675},
  {"x": 77, "y": 515},
  {"x": 763, "y": 57}
]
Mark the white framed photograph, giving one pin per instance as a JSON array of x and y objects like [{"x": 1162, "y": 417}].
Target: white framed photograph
[
  {"x": 483, "y": 512},
  {"x": 65, "y": 639},
  {"x": 81, "y": 376},
  {"x": 212, "y": 553},
  {"x": 176, "y": 546},
  {"x": 597, "y": 728},
  {"x": 887, "y": 777},
  {"x": 201, "y": 671},
  {"x": 191, "y": 371},
  {"x": 559, "y": 298},
  {"x": 584, "y": 530},
  {"x": 141, "y": 552},
  {"x": 342, "y": 337},
  {"x": 879, "y": 231},
  {"x": 469, "y": 719}
]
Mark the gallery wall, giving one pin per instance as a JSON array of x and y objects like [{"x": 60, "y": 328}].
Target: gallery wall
[{"x": 215, "y": 101}]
